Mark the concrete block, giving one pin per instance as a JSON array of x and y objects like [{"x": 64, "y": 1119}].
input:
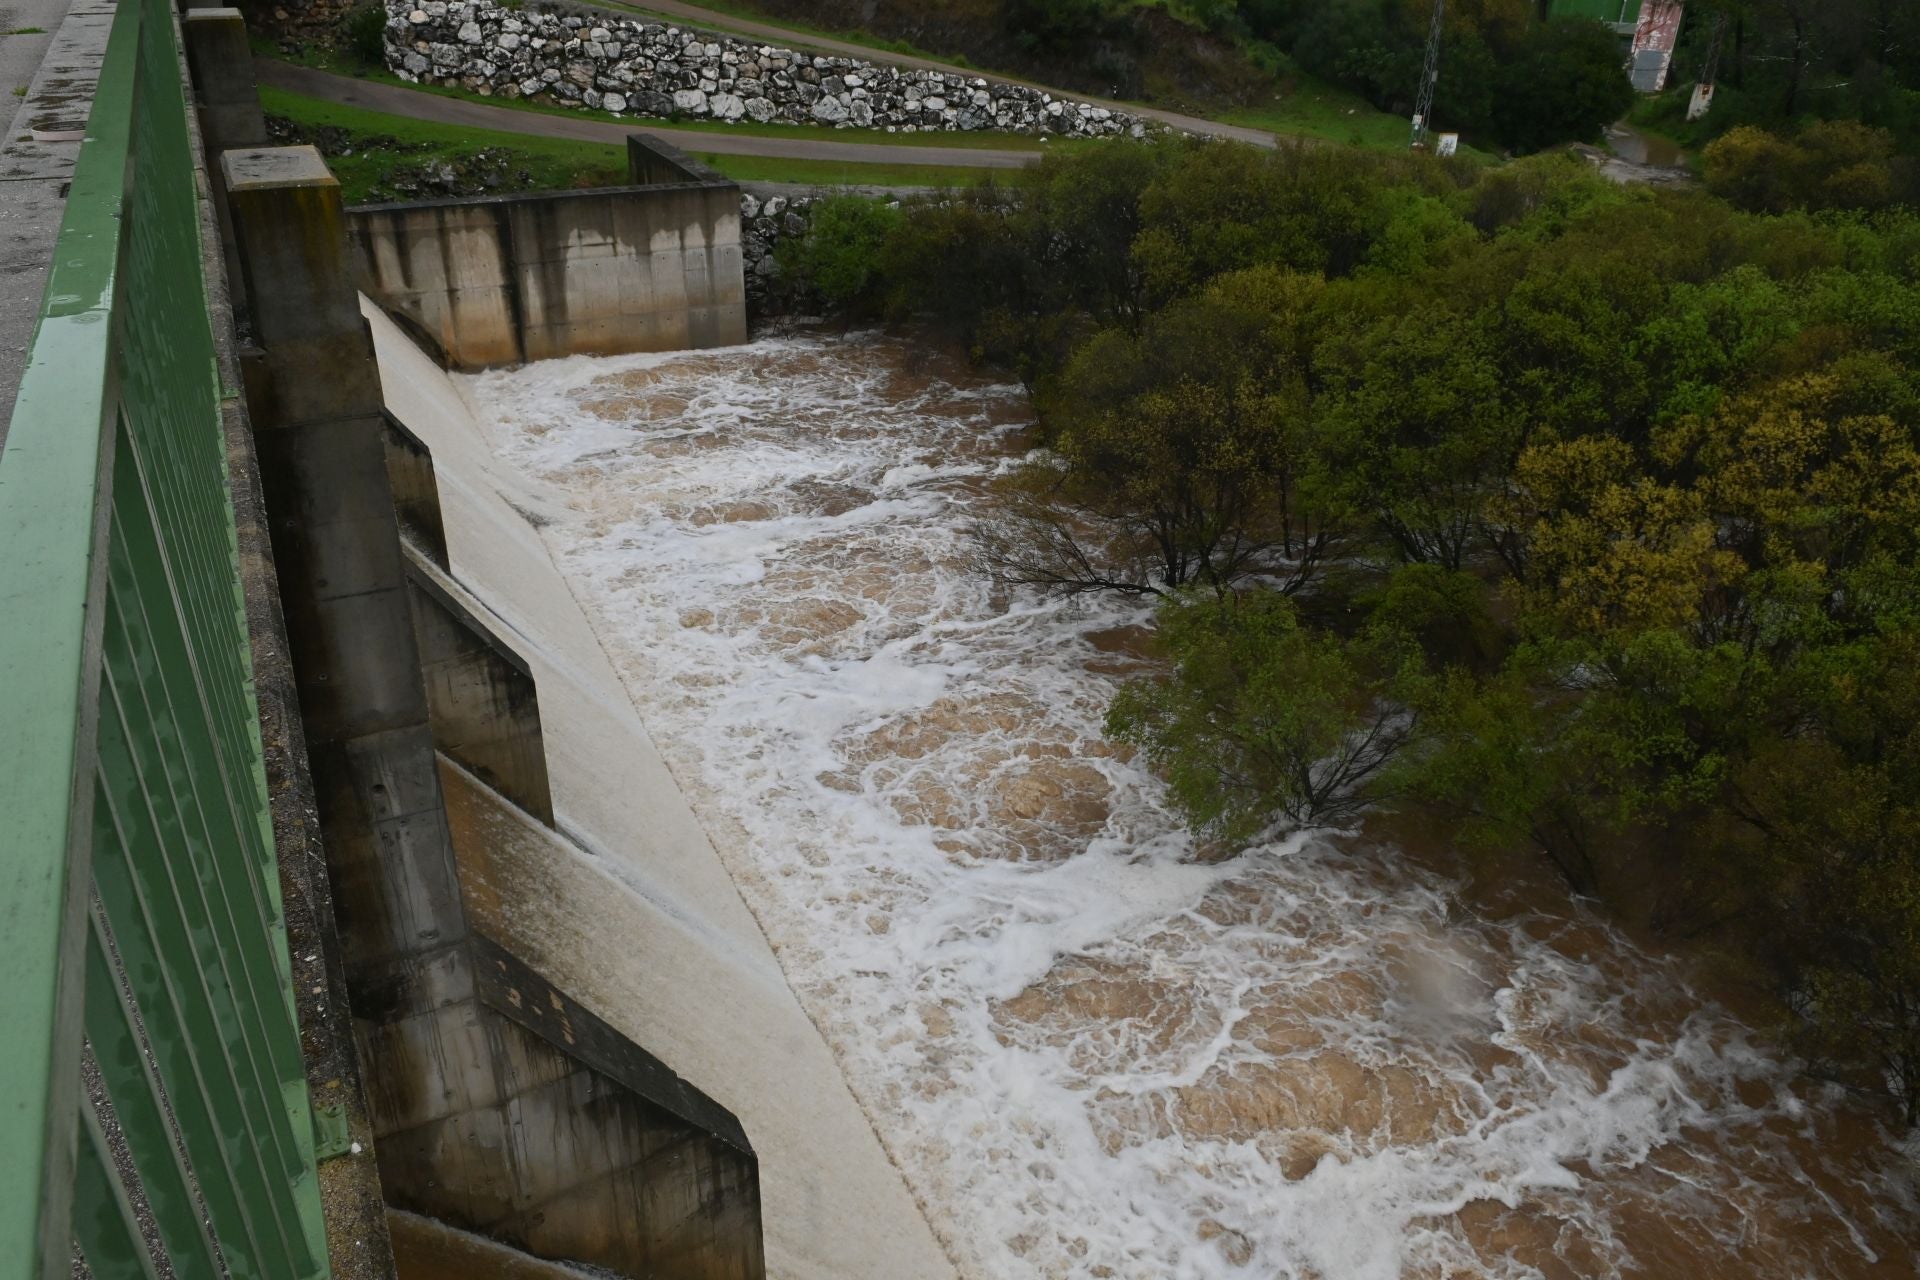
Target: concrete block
[
  {"x": 220, "y": 61},
  {"x": 291, "y": 230}
]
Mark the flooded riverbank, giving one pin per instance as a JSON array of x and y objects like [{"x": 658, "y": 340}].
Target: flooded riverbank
[{"x": 1092, "y": 1053}]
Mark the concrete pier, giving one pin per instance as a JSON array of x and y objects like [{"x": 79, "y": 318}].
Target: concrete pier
[{"x": 498, "y": 1104}]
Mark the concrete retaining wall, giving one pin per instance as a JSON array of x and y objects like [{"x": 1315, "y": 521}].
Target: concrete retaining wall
[{"x": 497, "y": 280}]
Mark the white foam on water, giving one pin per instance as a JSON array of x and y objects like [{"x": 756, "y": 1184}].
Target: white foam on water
[{"x": 1091, "y": 1053}]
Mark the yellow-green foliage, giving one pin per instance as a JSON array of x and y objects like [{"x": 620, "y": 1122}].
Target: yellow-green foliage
[
  {"x": 1572, "y": 518},
  {"x": 1832, "y": 164}
]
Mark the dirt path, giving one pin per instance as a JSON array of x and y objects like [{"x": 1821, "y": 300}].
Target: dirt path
[
  {"x": 827, "y": 44},
  {"x": 472, "y": 113}
]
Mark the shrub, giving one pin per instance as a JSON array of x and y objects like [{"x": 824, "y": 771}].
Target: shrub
[
  {"x": 836, "y": 261},
  {"x": 1832, "y": 164},
  {"x": 366, "y": 34}
]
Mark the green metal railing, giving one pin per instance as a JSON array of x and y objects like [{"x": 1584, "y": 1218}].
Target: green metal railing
[{"x": 140, "y": 911}]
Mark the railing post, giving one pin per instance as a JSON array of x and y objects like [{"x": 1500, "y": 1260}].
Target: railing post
[
  {"x": 227, "y": 102},
  {"x": 224, "y": 88}
]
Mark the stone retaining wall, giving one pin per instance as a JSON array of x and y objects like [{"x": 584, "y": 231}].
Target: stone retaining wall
[
  {"x": 652, "y": 69},
  {"x": 764, "y": 224}
]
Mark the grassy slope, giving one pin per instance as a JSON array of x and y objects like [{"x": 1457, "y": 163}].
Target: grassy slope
[
  {"x": 553, "y": 163},
  {"x": 346, "y": 65},
  {"x": 1315, "y": 109},
  {"x": 1312, "y": 109}
]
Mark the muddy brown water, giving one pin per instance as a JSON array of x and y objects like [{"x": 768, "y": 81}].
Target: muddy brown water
[{"x": 1092, "y": 1050}]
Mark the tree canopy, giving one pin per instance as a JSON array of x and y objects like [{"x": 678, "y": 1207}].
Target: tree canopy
[{"x": 1568, "y": 517}]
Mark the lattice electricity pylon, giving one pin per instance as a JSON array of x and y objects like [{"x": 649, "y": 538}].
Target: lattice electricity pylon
[
  {"x": 1709, "y": 67},
  {"x": 1429, "y": 76}
]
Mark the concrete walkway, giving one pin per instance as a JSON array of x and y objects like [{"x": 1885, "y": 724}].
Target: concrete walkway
[
  {"x": 57, "y": 71},
  {"x": 473, "y": 113},
  {"x": 693, "y": 13}
]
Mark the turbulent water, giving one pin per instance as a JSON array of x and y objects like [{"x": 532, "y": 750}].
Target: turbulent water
[{"x": 1093, "y": 1051}]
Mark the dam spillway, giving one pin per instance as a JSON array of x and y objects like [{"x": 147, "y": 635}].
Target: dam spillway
[
  {"x": 1091, "y": 1049},
  {"x": 689, "y": 864}
]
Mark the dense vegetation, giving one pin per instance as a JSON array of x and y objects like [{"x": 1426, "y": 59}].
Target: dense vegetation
[
  {"x": 1506, "y": 75},
  {"x": 1828, "y": 164},
  {"x": 1113, "y": 47},
  {"x": 1786, "y": 63},
  {"x": 1574, "y": 518},
  {"x": 1509, "y": 78}
]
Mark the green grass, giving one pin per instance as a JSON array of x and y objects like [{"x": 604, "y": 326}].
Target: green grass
[
  {"x": 1315, "y": 109},
  {"x": 25, "y": 31},
  {"x": 800, "y": 30},
  {"x": 345, "y": 64},
  {"x": 550, "y": 163},
  {"x": 555, "y": 163},
  {"x": 832, "y": 173}
]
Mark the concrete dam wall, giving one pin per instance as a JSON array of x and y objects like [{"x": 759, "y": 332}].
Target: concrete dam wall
[
  {"x": 618, "y": 899},
  {"x": 495, "y": 1102},
  {"x": 560, "y": 1038},
  {"x": 495, "y": 280}
]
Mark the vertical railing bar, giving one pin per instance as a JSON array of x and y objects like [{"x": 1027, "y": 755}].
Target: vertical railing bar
[
  {"x": 187, "y": 479},
  {"x": 182, "y": 518},
  {"x": 260, "y": 1109},
  {"x": 285, "y": 1062},
  {"x": 210, "y": 1141},
  {"x": 185, "y": 887},
  {"x": 104, "y": 1226},
  {"x": 138, "y": 1101},
  {"x": 196, "y": 900}
]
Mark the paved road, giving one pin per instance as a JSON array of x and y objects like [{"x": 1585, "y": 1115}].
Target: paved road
[
  {"x": 806, "y": 144},
  {"x": 20, "y": 54},
  {"x": 55, "y": 73},
  {"x": 827, "y": 44}
]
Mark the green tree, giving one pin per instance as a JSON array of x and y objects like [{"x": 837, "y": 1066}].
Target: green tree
[
  {"x": 1417, "y": 428},
  {"x": 1830, "y": 164},
  {"x": 1841, "y": 809},
  {"x": 1181, "y": 455},
  {"x": 1563, "y": 84},
  {"x": 1263, "y": 718},
  {"x": 365, "y": 28},
  {"x": 1054, "y": 27},
  {"x": 837, "y": 261}
]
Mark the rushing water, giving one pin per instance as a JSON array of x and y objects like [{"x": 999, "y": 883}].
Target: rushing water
[{"x": 1093, "y": 1051}]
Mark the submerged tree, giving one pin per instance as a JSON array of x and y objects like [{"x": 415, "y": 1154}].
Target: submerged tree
[
  {"x": 1264, "y": 717},
  {"x": 1181, "y": 455}
]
